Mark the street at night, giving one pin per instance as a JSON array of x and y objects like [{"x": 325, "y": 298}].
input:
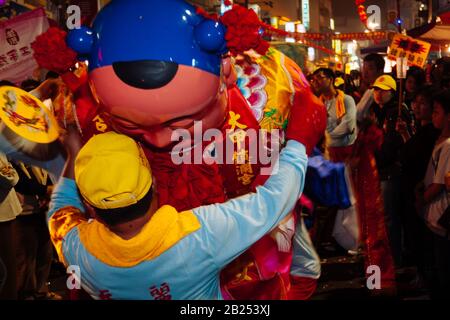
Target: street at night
[{"x": 244, "y": 150}]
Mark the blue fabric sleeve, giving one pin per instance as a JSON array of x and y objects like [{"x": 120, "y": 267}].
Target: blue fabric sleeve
[
  {"x": 64, "y": 195},
  {"x": 305, "y": 260},
  {"x": 230, "y": 228}
]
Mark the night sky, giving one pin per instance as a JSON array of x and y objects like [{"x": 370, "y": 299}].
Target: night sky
[{"x": 346, "y": 15}]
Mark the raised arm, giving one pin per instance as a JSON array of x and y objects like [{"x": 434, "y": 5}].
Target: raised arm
[
  {"x": 232, "y": 227},
  {"x": 65, "y": 193}
]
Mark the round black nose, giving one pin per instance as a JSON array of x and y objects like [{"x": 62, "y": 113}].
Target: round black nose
[{"x": 148, "y": 74}]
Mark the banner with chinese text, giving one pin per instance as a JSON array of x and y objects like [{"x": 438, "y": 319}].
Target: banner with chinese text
[
  {"x": 16, "y": 35},
  {"x": 415, "y": 51}
]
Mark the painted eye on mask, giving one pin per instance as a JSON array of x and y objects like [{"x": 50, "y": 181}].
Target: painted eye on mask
[{"x": 149, "y": 74}]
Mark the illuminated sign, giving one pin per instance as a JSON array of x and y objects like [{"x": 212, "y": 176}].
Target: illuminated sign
[
  {"x": 301, "y": 28},
  {"x": 274, "y": 22},
  {"x": 311, "y": 54},
  {"x": 290, "y": 27},
  {"x": 305, "y": 13}
]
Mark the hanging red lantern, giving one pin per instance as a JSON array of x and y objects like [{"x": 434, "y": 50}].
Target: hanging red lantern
[{"x": 361, "y": 11}]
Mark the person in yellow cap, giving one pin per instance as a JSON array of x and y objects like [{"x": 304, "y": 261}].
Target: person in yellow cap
[
  {"x": 386, "y": 112},
  {"x": 386, "y": 88},
  {"x": 339, "y": 83},
  {"x": 132, "y": 249},
  {"x": 386, "y": 107}
]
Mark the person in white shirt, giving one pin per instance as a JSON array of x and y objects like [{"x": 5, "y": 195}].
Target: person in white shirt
[{"x": 435, "y": 199}]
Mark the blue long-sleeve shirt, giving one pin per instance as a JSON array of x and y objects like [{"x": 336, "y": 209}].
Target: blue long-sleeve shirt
[{"x": 176, "y": 255}]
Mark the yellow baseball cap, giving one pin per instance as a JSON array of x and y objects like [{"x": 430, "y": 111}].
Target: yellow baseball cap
[
  {"x": 27, "y": 116},
  {"x": 385, "y": 82},
  {"x": 338, "y": 82},
  {"x": 111, "y": 171}
]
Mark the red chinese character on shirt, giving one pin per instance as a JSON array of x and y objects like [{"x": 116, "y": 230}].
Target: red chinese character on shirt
[
  {"x": 100, "y": 124},
  {"x": 105, "y": 295},
  {"x": 13, "y": 55},
  {"x": 3, "y": 61},
  {"x": 25, "y": 51},
  {"x": 163, "y": 293}
]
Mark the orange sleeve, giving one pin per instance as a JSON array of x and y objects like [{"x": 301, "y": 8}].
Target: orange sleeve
[{"x": 61, "y": 223}]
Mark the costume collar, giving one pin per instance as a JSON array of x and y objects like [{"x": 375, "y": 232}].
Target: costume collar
[{"x": 166, "y": 227}]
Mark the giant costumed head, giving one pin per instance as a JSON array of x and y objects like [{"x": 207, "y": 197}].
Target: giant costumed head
[{"x": 154, "y": 65}]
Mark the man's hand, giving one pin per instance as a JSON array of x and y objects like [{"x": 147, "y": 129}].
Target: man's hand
[
  {"x": 49, "y": 89},
  {"x": 61, "y": 97},
  {"x": 308, "y": 120}
]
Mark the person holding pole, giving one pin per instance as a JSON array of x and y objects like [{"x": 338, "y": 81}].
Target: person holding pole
[{"x": 388, "y": 162}]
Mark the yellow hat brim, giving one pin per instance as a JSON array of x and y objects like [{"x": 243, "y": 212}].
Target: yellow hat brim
[
  {"x": 382, "y": 87},
  {"x": 338, "y": 82},
  {"x": 27, "y": 116}
]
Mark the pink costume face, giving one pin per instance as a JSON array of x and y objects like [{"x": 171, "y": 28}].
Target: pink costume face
[{"x": 152, "y": 115}]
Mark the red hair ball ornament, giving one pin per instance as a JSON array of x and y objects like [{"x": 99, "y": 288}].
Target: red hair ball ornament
[
  {"x": 244, "y": 31},
  {"x": 51, "y": 51}
]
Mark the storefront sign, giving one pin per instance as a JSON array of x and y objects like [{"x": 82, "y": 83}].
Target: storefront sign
[{"x": 305, "y": 13}]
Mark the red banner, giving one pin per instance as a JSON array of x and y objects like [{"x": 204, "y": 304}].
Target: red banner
[{"x": 16, "y": 35}]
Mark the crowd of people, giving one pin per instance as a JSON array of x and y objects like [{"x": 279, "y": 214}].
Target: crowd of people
[
  {"x": 397, "y": 154},
  {"x": 399, "y": 158}
]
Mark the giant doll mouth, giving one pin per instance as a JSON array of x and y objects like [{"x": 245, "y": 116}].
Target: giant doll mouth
[{"x": 147, "y": 74}]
